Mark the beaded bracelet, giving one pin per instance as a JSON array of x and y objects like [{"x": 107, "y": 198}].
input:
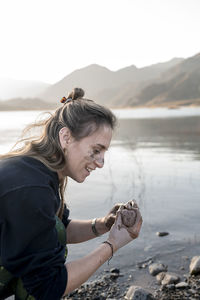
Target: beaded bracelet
[
  {"x": 94, "y": 227},
  {"x": 111, "y": 246}
]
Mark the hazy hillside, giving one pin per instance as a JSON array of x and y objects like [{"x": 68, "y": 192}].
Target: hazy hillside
[
  {"x": 99, "y": 81},
  {"x": 173, "y": 83},
  {"x": 180, "y": 85},
  {"x": 11, "y": 88},
  {"x": 26, "y": 104}
]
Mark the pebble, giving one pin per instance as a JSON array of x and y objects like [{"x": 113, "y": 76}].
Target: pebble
[
  {"x": 192, "y": 291},
  {"x": 115, "y": 270},
  {"x": 138, "y": 293},
  {"x": 106, "y": 288},
  {"x": 195, "y": 265},
  {"x": 162, "y": 233},
  {"x": 181, "y": 285},
  {"x": 170, "y": 278},
  {"x": 170, "y": 286},
  {"x": 102, "y": 289},
  {"x": 156, "y": 268},
  {"x": 114, "y": 276},
  {"x": 160, "y": 277}
]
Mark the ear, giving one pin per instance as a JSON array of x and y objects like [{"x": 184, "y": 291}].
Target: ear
[{"x": 64, "y": 137}]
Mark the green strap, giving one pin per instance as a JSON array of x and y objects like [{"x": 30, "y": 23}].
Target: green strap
[{"x": 16, "y": 284}]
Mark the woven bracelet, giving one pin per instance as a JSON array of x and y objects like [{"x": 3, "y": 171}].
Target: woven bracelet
[{"x": 111, "y": 246}]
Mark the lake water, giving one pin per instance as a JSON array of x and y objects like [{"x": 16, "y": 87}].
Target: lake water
[{"x": 155, "y": 158}]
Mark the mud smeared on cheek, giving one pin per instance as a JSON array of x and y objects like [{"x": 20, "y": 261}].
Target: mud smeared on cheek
[{"x": 88, "y": 157}]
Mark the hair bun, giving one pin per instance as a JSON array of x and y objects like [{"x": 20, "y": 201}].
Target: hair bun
[{"x": 76, "y": 93}]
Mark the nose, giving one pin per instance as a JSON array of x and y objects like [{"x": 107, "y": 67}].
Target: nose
[{"x": 99, "y": 162}]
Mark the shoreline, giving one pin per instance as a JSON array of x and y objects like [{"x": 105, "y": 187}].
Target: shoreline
[
  {"x": 170, "y": 106},
  {"x": 114, "y": 282}
]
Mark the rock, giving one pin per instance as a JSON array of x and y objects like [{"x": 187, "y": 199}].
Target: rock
[
  {"x": 195, "y": 265},
  {"x": 162, "y": 233},
  {"x": 156, "y": 268},
  {"x": 170, "y": 287},
  {"x": 160, "y": 277},
  {"x": 114, "y": 276},
  {"x": 183, "y": 292},
  {"x": 128, "y": 217},
  {"x": 170, "y": 278},
  {"x": 103, "y": 295},
  {"x": 192, "y": 291},
  {"x": 115, "y": 270},
  {"x": 182, "y": 285},
  {"x": 137, "y": 293},
  {"x": 145, "y": 263}
]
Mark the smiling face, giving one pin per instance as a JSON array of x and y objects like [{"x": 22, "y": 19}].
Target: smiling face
[{"x": 85, "y": 155}]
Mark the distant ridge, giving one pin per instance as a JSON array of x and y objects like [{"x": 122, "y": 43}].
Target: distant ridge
[
  {"x": 179, "y": 85},
  {"x": 170, "y": 84},
  {"x": 97, "y": 80}
]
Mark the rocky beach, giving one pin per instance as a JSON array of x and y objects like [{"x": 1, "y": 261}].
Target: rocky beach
[{"x": 165, "y": 276}]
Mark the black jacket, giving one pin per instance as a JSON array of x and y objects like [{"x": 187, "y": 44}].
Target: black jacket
[{"x": 29, "y": 246}]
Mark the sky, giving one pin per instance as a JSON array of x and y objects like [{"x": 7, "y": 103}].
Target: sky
[{"x": 45, "y": 40}]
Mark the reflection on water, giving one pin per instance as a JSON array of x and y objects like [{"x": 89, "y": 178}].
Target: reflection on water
[
  {"x": 177, "y": 134},
  {"x": 154, "y": 160},
  {"x": 146, "y": 113}
]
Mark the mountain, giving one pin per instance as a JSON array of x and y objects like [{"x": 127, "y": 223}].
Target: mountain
[
  {"x": 101, "y": 83},
  {"x": 26, "y": 104},
  {"x": 173, "y": 83},
  {"x": 179, "y": 85},
  {"x": 11, "y": 88}
]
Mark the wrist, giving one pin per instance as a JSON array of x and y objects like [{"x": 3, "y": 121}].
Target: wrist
[
  {"x": 111, "y": 248},
  {"x": 115, "y": 248},
  {"x": 100, "y": 226}
]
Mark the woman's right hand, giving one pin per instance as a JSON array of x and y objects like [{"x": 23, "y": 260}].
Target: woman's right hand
[{"x": 121, "y": 235}]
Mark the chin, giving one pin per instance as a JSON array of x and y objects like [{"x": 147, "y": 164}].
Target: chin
[{"x": 79, "y": 180}]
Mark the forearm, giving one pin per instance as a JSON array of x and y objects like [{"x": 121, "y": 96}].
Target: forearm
[
  {"x": 80, "y": 270},
  {"x": 81, "y": 230}
]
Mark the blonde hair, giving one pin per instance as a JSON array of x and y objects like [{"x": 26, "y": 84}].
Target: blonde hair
[{"x": 82, "y": 116}]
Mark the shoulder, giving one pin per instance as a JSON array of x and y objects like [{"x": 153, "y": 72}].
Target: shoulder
[{"x": 22, "y": 171}]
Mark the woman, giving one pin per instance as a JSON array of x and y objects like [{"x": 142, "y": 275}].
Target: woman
[{"x": 32, "y": 183}]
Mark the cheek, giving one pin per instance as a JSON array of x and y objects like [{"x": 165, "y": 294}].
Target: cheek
[{"x": 87, "y": 158}]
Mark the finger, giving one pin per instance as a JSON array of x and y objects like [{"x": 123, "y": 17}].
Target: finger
[
  {"x": 128, "y": 204},
  {"x": 134, "y": 203},
  {"x": 131, "y": 204},
  {"x": 115, "y": 209},
  {"x": 121, "y": 208},
  {"x": 117, "y": 206},
  {"x": 118, "y": 220}
]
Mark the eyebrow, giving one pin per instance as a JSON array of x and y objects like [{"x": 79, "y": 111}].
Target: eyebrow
[{"x": 102, "y": 146}]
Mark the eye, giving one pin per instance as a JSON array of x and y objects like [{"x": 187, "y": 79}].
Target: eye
[{"x": 96, "y": 151}]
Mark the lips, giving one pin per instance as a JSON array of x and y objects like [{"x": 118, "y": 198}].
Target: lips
[{"x": 89, "y": 169}]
